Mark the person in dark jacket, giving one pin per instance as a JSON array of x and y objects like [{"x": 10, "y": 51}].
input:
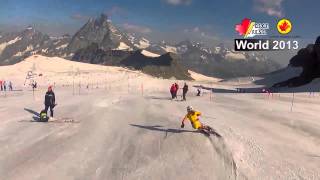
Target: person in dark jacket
[
  {"x": 184, "y": 91},
  {"x": 198, "y": 92},
  {"x": 49, "y": 101},
  {"x": 4, "y": 85},
  {"x": 10, "y": 86}
]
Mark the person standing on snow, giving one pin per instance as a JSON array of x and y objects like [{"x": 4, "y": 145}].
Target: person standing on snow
[
  {"x": 10, "y": 86},
  {"x": 184, "y": 91},
  {"x": 4, "y": 86},
  {"x": 198, "y": 92},
  {"x": 1, "y": 87},
  {"x": 177, "y": 89},
  {"x": 172, "y": 91},
  {"x": 49, "y": 101}
]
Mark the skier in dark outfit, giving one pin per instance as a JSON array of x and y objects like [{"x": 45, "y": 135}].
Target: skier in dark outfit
[
  {"x": 49, "y": 101},
  {"x": 184, "y": 91}
]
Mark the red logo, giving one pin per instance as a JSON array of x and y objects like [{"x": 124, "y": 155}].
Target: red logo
[
  {"x": 242, "y": 28},
  {"x": 284, "y": 26}
]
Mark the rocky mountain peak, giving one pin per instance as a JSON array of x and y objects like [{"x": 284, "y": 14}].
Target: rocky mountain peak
[
  {"x": 100, "y": 31},
  {"x": 103, "y": 18}
]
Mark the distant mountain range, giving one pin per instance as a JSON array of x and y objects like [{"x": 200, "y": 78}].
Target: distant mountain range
[
  {"x": 16, "y": 46},
  {"x": 100, "y": 42}
]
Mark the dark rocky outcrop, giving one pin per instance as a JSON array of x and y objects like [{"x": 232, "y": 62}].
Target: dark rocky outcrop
[
  {"x": 309, "y": 59},
  {"x": 95, "y": 55},
  {"x": 165, "y": 66}
]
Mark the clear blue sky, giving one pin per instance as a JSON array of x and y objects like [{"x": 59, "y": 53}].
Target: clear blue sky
[{"x": 214, "y": 19}]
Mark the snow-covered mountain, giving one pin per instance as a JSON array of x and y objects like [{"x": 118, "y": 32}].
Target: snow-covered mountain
[
  {"x": 16, "y": 46},
  {"x": 162, "y": 48},
  {"x": 99, "y": 41},
  {"x": 139, "y": 42},
  {"x": 223, "y": 62},
  {"x": 102, "y": 32}
]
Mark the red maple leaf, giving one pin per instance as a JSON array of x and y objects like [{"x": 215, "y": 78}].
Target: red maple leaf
[
  {"x": 243, "y": 27},
  {"x": 284, "y": 26}
]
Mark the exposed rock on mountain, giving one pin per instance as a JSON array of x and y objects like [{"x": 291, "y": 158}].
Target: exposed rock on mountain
[
  {"x": 93, "y": 54},
  {"x": 165, "y": 66},
  {"x": 101, "y": 32},
  {"x": 16, "y": 46},
  {"x": 309, "y": 59}
]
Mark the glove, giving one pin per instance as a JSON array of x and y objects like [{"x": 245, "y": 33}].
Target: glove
[{"x": 182, "y": 125}]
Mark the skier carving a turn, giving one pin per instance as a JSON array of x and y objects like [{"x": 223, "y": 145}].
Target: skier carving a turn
[{"x": 193, "y": 116}]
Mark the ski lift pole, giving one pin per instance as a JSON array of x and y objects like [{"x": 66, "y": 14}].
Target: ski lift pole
[
  {"x": 73, "y": 86},
  {"x": 211, "y": 94},
  {"x": 106, "y": 81},
  {"x": 292, "y": 101},
  {"x": 142, "y": 89},
  {"x": 79, "y": 86}
]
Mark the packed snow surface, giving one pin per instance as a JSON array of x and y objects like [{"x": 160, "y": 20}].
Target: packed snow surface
[{"x": 126, "y": 127}]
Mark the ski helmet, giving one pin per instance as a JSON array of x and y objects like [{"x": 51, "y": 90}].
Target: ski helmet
[{"x": 189, "y": 108}]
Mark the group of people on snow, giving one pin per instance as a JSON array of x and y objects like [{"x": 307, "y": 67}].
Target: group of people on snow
[
  {"x": 6, "y": 85},
  {"x": 192, "y": 115},
  {"x": 174, "y": 91}
]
